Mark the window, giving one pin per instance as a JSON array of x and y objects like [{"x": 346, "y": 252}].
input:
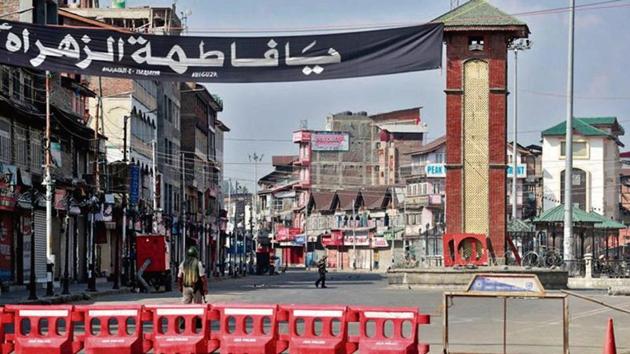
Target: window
[
  {"x": 21, "y": 149},
  {"x": 28, "y": 88},
  {"x": 439, "y": 157},
  {"x": 475, "y": 43},
  {"x": 17, "y": 85},
  {"x": 580, "y": 149},
  {"x": 5, "y": 141},
  {"x": 37, "y": 154},
  {"x": 6, "y": 79}
]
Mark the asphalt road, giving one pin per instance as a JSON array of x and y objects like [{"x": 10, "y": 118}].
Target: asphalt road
[{"x": 533, "y": 326}]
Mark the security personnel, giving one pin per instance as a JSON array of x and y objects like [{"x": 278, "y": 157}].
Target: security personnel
[
  {"x": 321, "y": 269},
  {"x": 191, "y": 278}
]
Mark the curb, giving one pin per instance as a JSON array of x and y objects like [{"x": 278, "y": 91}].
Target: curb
[{"x": 63, "y": 299}]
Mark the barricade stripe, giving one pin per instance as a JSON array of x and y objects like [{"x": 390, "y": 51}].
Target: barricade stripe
[
  {"x": 103, "y": 313},
  {"x": 180, "y": 311},
  {"x": 246, "y": 311},
  {"x": 43, "y": 313},
  {"x": 317, "y": 313},
  {"x": 399, "y": 315}
]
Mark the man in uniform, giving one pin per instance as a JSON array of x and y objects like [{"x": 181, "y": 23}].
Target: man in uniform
[
  {"x": 191, "y": 278},
  {"x": 321, "y": 269}
]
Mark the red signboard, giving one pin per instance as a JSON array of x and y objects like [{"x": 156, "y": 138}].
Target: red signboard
[
  {"x": 7, "y": 201},
  {"x": 335, "y": 238},
  {"x": 284, "y": 234},
  {"x": 6, "y": 238}
]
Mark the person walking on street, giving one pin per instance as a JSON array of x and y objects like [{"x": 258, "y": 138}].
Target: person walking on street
[
  {"x": 191, "y": 278},
  {"x": 321, "y": 269}
]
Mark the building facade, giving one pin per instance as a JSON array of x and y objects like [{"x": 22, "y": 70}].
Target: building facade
[{"x": 596, "y": 165}]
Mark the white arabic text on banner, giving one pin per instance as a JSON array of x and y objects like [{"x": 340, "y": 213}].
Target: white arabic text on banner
[{"x": 102, "y": 52}]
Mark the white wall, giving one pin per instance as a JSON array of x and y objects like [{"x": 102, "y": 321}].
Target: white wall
[{"x": 601, "y": 169}]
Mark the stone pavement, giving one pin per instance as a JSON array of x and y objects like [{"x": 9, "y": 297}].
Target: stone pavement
[{"x": 78, "y": 292}]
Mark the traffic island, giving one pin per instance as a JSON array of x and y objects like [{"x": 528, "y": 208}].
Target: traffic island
[{"x": 458, "y": 278}]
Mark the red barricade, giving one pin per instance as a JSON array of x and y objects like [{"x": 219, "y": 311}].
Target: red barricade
[
  {"x": 5, "y": 318},
  {"x": 333, "y": 336},
  {"x": 42, "y": 329},
  {"x": 389, "y": 330},
  {"x": 249, "y": 328},
  {"x": 180, "y": 329},
  {"x": 112, "y": 329}
]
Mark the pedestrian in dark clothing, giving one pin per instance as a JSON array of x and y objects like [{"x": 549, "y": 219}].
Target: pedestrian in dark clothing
[{"x": 321, "y": 269}]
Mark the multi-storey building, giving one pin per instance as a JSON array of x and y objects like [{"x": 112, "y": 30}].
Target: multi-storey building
[
  {"x": 74, "y": 150},
  {"x": 200, "y": 168},
  {"x": 596, "y": 165}
]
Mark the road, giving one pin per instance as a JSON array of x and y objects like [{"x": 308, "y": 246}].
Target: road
[{"x": 476, "y": 325}]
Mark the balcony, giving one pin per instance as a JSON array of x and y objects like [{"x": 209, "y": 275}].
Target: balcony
[{"x": 418, "y": 201}]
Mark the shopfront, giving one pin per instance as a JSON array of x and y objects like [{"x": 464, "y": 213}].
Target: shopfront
[{"x": 289, "y": 246}]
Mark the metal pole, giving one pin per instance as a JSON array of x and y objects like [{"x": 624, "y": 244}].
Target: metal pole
[
  {"x": 515, "y": 141},
  {"x": 568, "y": 241},
  {"x": 92, "y": 271},
  {"x": 354, "y": 238},
  {"x": 183, "y": 212},
  {"x": 66, "y": 276},
  {"x": 154, "y": 225},
  {"x": 48, "y": 182},
  {"x": 125, "y": 259},
  {"x": 32, "y": 286}
]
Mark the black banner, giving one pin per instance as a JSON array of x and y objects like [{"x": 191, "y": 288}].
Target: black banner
[{"x": 101, "y": 52}]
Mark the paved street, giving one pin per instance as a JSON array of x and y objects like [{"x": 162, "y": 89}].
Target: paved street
[{"x": 533, "y": 326}]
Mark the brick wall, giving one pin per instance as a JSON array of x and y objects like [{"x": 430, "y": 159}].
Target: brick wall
[
  {"x": 8, "y": 6},
  {"x": 495, "y": 53},
  {"x": 111, "y": 86}
]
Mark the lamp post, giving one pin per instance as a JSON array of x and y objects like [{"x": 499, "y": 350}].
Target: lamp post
[{"x": 516, "y": 45}]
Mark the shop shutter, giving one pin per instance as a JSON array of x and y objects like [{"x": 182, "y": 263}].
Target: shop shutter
[{"x": 40, "y": 245}]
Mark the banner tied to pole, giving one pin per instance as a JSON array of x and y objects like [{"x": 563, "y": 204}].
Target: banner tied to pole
[{"x": 100, "y": 52}]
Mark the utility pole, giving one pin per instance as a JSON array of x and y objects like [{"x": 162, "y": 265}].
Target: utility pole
[
  {"x": 156, "y": 217},
  {"x": 203, "y": 218},
  {"x": 568, "y": 241},
  {"x": 48, "y": 182},
  {"x": 354, "y": 237},
  {"x": 32, "y": 286},
  {"x": 519, "y": 44},
  {"x": 124, "y": 203},
  {"x": 183, "y": 211},
  {"x": 255, "y": 158},
  {"x": 229, "y": 213},
  {"x": 66, "y": 277}
]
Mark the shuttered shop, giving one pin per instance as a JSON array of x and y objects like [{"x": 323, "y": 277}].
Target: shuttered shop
[{"x": 40, "y": 245}]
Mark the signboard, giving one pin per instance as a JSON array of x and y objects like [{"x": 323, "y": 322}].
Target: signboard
[
  {"x": 55, "y": 154},
  {"x": 522, "y": 284},
  {"x": 521, "y": 171},
  {"x": 435, "y": 170},
  {"x": 134, "y": 183},
  {"x": 357, "y": 240},
  {"x": 6, "y": 239},
  {"x": 330, "y": 141},
  {"x": 60, "y": 199},
  {"x": 101, "y": 52},
  {"x": 379, "y": 242}
]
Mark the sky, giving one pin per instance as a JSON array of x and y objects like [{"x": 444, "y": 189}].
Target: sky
[{"x": 263, "y": 116}]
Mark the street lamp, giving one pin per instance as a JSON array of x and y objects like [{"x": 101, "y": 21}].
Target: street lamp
[{"x": 516, "y": 45}]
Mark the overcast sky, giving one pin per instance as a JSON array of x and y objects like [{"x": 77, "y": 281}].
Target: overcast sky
[{"x": 273, "y": 111}]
